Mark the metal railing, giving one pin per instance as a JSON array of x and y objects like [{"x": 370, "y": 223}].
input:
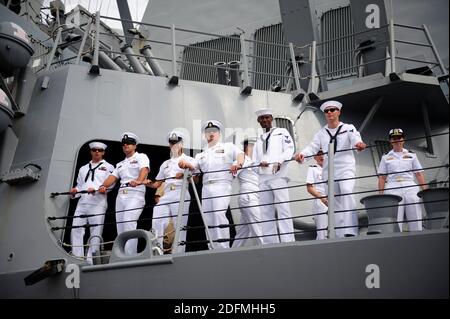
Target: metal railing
[
  {"x": 204, "y": 68},
  {"x": 188, "y": 178}
]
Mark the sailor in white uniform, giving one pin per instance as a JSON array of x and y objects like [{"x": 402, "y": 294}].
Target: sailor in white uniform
[
  {"x": 273, "y": 148},
  {"x": 397, "y": 161},
  {"x": 90, "y": 177},
  {"x": 130, "y": 201},
  {"x": 163, "y": 212},
  {"x": 249, "y": 200},
  {"x": 345, "y": 136},
  {"x": 316, "y": 187},
  {"x": 217, "y": 156}
]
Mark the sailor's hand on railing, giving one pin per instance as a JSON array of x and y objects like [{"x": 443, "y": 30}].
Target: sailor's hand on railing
[
  {"x": 91, "y": 190},
  {"x": 299, "y": 157},
  {"x": 324, "y": 200},
  {"x": 184, "y": 165},
  {"x": 134, "y": 183},
  {"x": 275, "y": 168},
  {"x": 234, "y": 168},
  {"x": 73, "y": 191},
  {"x": 264, "y": 164},
  {"x": 147, "y": 182},
  {"x": 360, "y": 146},
  {"x": 102, "y": 189},
  {"x": 179, "y": 175}
]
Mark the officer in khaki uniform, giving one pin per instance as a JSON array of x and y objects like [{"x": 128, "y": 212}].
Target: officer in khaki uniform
[
  {"x": 400, "y": 160},
  {"x": 217, "y": 156},
  {"x": 130, "y": 201}
]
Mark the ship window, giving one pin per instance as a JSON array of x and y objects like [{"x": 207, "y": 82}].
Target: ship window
[{"x": 288, "y": 124}]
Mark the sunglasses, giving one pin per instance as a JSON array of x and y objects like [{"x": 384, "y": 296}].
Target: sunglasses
[
  {"x": 332, "y": 110},
  {"x": 95, "y": 150}
]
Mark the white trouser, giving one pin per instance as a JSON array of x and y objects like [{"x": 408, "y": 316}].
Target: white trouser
[
  {"x": 349, "y": 218},
  {"x": 164, "y": 211},
  {"x": 77, "y": 234},
  {"x": 128, "y": 209},
  {"x": 250, "y": 215},
  {"x": 266, "y": 200},
  {"x": 409, "y": 196},
  {"x": 215, "y": 210},
  {"x": 321, "y": 220}
]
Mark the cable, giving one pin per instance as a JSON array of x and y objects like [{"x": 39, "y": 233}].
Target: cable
[
  {"x": 227, "y": 225},
  {"x": 245, "y": 193}
]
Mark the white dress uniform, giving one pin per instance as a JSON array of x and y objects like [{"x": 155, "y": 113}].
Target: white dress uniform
[
  {"x": 403, "y": 161},
  {"x": 163, "y": 211},
  {"x": 346, "y": 136},
  {"x": 275, "y": 146},
  {"x": 91, "y": 175},
  {"x": 218, "y": 157},
  {"x": 130, "y": 200},
  {"x": 250, "y": 213},
  {"x": 314, "y": 175}
]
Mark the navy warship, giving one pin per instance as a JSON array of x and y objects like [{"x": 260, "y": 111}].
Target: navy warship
[{"x": 67, "y": 79}]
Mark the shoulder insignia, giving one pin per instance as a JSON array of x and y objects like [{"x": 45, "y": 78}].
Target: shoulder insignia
[{"x": 407, "y": 156}]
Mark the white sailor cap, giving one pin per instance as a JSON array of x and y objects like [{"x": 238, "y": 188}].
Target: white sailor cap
[
  {"x": 130, "y": 138},
  {"x": 97, "y": 145},
  {"x": 396, "y": 132},
  {"x": 212, "y": 123},
  {"x": 262, "y": 112},
  {"x": 175, "y": 136},
  {"x": 328, "y": 104}
]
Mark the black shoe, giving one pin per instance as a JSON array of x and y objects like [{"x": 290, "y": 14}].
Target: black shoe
[{"x": 349, "y": 235}]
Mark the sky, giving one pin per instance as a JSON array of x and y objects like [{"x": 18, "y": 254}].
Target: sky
[
  {"x": 107, "y": 8},
  {"x": 433, "y": 13}
]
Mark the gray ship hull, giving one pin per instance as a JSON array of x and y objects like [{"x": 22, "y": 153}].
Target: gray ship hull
[{"x": 413, "y": 265}]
